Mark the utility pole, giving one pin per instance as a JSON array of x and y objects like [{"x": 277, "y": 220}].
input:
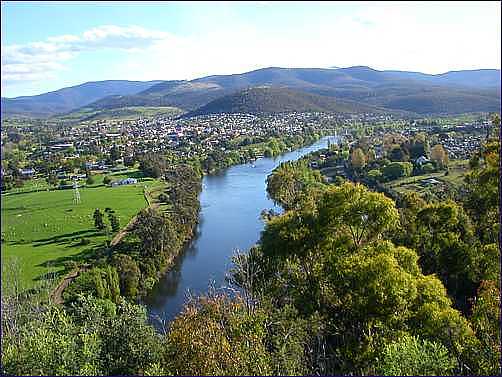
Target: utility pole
[{"x": 76, "y": 193}]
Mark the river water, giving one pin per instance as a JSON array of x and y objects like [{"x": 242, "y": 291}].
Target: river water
[{"x": 231, "y": 204}]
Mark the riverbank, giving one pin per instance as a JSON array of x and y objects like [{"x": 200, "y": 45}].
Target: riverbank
[
  {"x": 231, "y": 204},
  {"x": 242, "y": 152},
  {"x": 271, "y": 148},
  {"x": 137, "y": 273}
]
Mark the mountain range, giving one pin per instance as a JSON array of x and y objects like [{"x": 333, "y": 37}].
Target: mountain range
[
  {"x": 278, "y": 89},
  {"x": 68, "y": 99}
]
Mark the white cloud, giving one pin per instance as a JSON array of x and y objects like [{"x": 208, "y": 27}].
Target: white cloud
[
  {"x": 414, "y": 37},
  {"x": 408, "y": 36},
  {"x": 38, "y": 60}
]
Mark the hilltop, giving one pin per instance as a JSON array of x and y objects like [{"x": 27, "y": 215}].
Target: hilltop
[
  {"x": 448, "y": 93},
  {"x": 263, "y": 100}
]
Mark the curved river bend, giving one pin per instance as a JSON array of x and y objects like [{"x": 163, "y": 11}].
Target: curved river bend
[{"x": 231, "y": 204}]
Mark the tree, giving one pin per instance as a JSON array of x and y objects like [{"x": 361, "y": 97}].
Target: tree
[
  {"x": 216, "y": 335},
  {"x": 358, "y": 159},
  {"x": 129, "y": 161},
  {"x": 114, "y": 222},
  {"x": 106, "y": 179},
  {"x": 52, "y": 180},
  {"x": 153, "y": 165},
  {"x": 439, "y": 155},
  {"x": 130, "y": 344},
  {"x": 486, "y": 323},
  {"x": 129, "y": 274},
  {"x": 413, "y": 356},
  {"x": 482, "y": 192},
  {"x": 90, "y": 179},
  {"x": 50, "y": 344},
  {"x": 114, "y": 153},
  {"x": 398, "y": 154},
  {"x": 98, "y": 219},
  {"x": 418, "y": 146},
  {"x": 443, "y": 237},
  {"x": 155, "y": 232},
  {"x": 99, "y": 282},
  {"x": 495, "y": 124},
  {"x": 333, "y": 259},
  {"x": 396, "y": 170},
  {"x": 290, "y": 181},
  {"x": 375, "y": 175},
  {"x": 370, "y": 155},
  {"x": 428, "y": 168},
  {"x": 163, "y": 198},
  {"x": 353, "y": 208}
]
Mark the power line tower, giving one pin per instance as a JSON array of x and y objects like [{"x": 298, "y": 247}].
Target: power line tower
[{"x": 76, "y": 193}]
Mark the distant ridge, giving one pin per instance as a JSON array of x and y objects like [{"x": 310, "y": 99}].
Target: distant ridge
[
  {"x": 67, "y": 99},
  {"x": 448, "y": 93}
]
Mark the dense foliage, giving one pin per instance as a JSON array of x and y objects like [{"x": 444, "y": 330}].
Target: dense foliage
[{"x": 345, "y": 281}]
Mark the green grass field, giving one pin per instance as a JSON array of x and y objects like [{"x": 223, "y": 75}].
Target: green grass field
[
  {"x": 123, "y": 113},
  {"x": 457, "y": 170},
  {"x": 43, "y": 230}
]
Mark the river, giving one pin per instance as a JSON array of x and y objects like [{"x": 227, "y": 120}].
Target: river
[{"x": 231, "y": 204}]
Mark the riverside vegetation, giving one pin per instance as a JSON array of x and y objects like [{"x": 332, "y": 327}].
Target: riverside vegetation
[
  {"x": 346, "y": 281},
  {"x": 334, "y": 286}
]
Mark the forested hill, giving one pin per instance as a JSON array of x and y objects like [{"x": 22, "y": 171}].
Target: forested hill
[
  {"x": 263, "y": 100},
  {"x": 447, "y": 93}
]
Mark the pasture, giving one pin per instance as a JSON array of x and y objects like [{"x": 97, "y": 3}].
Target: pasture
[
  {"x": 457, "y": 171},
  {"x": 43, "y": 230}
]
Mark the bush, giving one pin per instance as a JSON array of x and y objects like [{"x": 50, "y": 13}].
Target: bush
[
  {"x": 129, "y": 274},
  {"x": 412, "y": 356},
  {"x": 428, "y": 168},
  {"x": 107, "y": 180},
  {"x": 84, "y": 241},
  {"x": 98, "y": 282},
  {"x": 396, "y": 170},
  {"x": 375, "y": 175},
  {"x": 163, "y": 198}
]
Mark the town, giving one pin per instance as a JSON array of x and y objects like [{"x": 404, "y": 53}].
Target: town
[{"x": 71, "y": 151}]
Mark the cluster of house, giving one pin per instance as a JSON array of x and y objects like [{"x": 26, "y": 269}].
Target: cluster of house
[
  {"x": 189, "y": 137},
  {"x": 461, "y": 145}
]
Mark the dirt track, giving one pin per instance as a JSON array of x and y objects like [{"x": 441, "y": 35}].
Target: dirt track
[{"x": 57, "y": 293}]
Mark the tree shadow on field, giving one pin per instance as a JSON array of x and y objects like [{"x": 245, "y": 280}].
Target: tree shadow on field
[
  {"x": 50, "y": 276},
  {"x": 135, "y": 174},
  {"x": 101, "y": 185},
  {"x": 68, "y": 262},
  {"x": 66, "y": 238}
]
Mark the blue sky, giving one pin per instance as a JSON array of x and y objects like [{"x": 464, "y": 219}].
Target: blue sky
[{"x": 47, "y": 46}]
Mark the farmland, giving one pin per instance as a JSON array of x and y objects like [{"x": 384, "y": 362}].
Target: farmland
[
  {"x": 124, "y": 113},
  {"x": 44, "y": 230},
  {"x": 415, "y": 183}
]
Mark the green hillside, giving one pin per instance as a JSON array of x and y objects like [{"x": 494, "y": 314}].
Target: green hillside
[{"x": 278, "y": 100}]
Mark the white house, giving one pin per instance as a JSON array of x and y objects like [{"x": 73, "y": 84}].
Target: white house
[
  {"x": 422, "y": 160},
  {"x": 126, "y": 181}
]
